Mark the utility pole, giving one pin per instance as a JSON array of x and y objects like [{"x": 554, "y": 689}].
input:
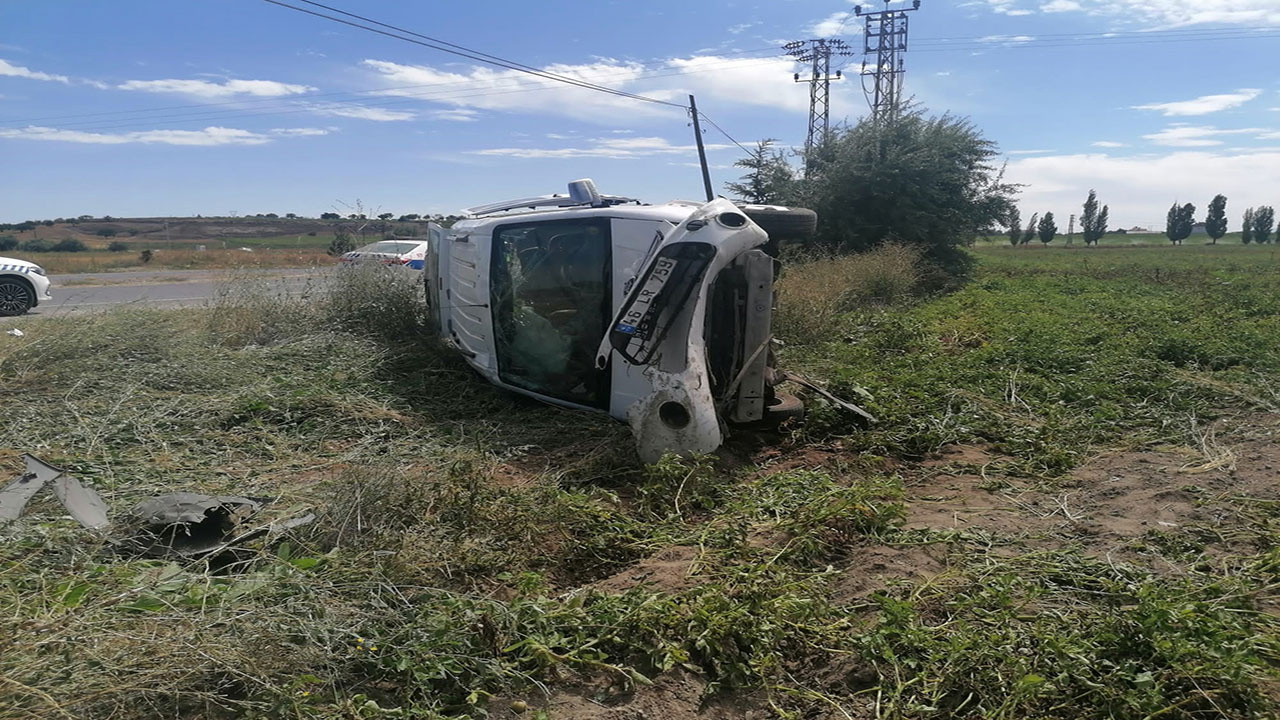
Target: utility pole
[
  {"x": 886, "y": 36},
  {"x": 1071, "y": 230},
  {"x": 818, "y": 53},
  {"x": 702, "y": 151}
]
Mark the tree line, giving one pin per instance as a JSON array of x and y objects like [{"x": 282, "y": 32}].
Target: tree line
[{"x": 1258, "y": 226}]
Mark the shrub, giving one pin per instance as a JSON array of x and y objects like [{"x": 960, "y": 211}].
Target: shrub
[
  {"x": 8, "y": 242},
  {"x": 117, "y": 246},
  {"x": 928, "y": 182},
  {"x": 106, "y": 233},
  {"x": 815, "y": 290},
  {"x": 342, "y": 242},
  {"x": 386, "y": 303},
  {"x": 145, "y": 256},
  {"x": 69, "y": 245},
  {"x": 37, "y": 245}
]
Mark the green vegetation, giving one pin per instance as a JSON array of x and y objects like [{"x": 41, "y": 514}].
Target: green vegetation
[{"x": 473, "y": 547}]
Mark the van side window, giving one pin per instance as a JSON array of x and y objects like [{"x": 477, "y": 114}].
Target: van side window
[{"x": 550, "y": 286}]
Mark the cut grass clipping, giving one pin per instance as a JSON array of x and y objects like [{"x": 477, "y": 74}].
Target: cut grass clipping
[{"x": 475, "y": 552}]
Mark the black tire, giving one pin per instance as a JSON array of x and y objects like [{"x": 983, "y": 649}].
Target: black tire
[
  {"x": 784, "y": 407},
  {"x": 17, "y": 296},
  {"x": 783, "y": 223}
]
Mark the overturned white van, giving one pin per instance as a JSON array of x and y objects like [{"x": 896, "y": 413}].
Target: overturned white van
[{"x": 659, "y": 315}]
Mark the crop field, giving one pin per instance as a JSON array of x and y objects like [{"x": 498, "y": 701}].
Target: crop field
[
  {"x": 183, "y": 258},
  {"x": 1068, "y": 508}
]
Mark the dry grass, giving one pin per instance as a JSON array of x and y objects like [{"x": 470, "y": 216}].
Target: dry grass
[
  {"x": 191, "y": 259},
  {"x": 816, "y": 290}
]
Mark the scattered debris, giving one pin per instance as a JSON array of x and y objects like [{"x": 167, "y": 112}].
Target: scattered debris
[
  {"x": 84, "y": 504},
  {"x": 187, "y": 524},
  {"x": 16, "y": 332},
  {"x": 827, "y": 394},
  {"x": 181, "y": 524}
]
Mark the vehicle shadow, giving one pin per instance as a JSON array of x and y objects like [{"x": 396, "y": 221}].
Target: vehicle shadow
[{"x": 463, "y": 409}]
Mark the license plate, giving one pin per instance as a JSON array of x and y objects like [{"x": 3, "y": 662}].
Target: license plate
[{"x": 662, "y": 269}]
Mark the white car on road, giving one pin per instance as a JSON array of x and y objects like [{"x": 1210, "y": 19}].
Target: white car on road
[
  {"x": 22, "y": 286},
  {"x": 658, "y": 315},
  {"x": 408, "y": 253}
]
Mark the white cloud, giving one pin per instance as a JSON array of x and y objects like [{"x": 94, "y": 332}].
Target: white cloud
[
  {"x": 1029, "y": 152},
  {"x": 1139, "y": 189},
  {"x": 1161, "y": 13},
  {"x": 612, "y": 148},
  {"x": 762, "y": 82},
  {"x": 834, "y": 24},
  {"x": 11, "y": 70},
  {"x": 1269, "y": 136},
  {"x": 1007, "y": 39},
  {"x": 1195, "y": 136},
  {"x": 456, "y": 115},
  {"x": 1109, "y": 144},
  {"x": 360, "y": 112},
  {"x": 1205, "y": 104},
  {"x": 1007, "y": 7},
  {"x": 741, "y": 27},
  {"x": 300, "y": 132},
  {"x": 212, "y": 90},
  {"x": 210, "y": 136}
]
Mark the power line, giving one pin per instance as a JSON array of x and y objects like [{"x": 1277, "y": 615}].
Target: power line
[
  {"x": 722, "y": 132},
  {"x": 461, "y": 51}
]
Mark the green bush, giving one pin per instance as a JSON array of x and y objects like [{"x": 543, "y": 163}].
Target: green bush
[
  {"x": 37, "y": 245},
  {"x": 117, "y": 246},
  {"x": 8, "y": 242},
  {"x": 69, "y": 245}
]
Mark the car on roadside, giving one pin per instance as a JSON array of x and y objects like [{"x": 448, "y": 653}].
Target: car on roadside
[
  {"x": 658, "y": 315},
  {"x": 23, "y": 285},
  {"x": 405, "y": 252}
]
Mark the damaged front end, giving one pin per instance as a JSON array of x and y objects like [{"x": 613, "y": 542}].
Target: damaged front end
[{"x": 698, "y": 321}]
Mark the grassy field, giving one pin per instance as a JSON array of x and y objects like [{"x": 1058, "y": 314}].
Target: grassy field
[
  {"x": 263, "y": 252},
  {"x": 1068, "y": 509},
  {"x": 1116, "y": 240},
  {"x": 94, "y": 261}
]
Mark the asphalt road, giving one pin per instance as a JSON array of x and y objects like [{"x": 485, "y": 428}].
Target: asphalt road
[{"x": 164, "y": 288}]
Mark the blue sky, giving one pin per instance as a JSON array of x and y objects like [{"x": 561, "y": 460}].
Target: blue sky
[{"x": 152, "y": 107}]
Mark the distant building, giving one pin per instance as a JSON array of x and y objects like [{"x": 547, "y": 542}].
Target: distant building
[
  {"x": 1198, "y": 229},
  {"x": 1137, "y": 229}
]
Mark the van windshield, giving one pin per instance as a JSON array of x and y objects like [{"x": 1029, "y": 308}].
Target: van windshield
[{"x": 551, "y": 287}]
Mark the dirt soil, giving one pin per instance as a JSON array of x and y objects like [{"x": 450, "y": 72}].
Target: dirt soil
[{"x": 677, "y": 695}]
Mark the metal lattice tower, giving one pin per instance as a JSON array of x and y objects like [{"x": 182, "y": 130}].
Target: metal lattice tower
[
  {"x": 885, "y": 37},
  {"x": 818, "y": 53}
]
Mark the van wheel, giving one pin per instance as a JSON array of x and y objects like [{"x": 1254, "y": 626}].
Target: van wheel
[
  {"x": 783, "y": 223},
  {"x": 16, "y": 297},
  {"x": 784, "y": 407}
]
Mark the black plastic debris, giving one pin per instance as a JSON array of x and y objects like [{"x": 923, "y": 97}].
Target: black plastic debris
[
  {"x": 188, "y": 524},
  {"x": 84, "y": 504}
]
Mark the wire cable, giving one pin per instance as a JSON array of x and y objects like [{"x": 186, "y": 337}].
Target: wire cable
[{"x": 722, "y": 132}]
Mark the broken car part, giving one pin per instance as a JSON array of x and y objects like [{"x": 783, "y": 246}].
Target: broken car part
[{"x": 84, "y": 504}]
